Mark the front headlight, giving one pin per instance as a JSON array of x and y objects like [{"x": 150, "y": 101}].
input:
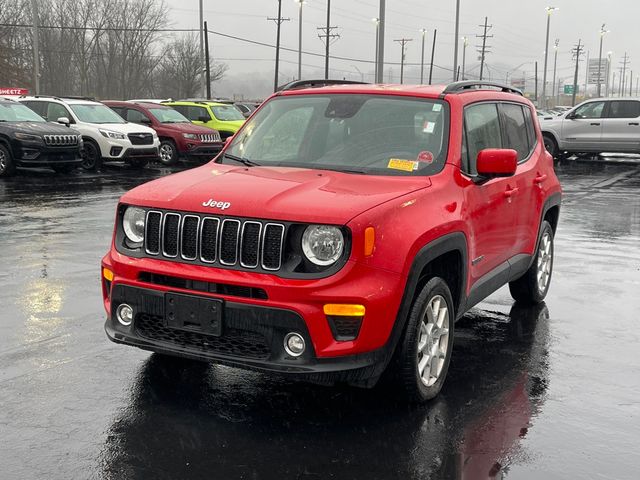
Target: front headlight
[
  {"x": 133, "y": 222},
  {"x": 110, "y": 134},
  {"x": 29, "y": 138},
  {"x": 190, "y": 136},
  {"x": 322, "y": 244}
]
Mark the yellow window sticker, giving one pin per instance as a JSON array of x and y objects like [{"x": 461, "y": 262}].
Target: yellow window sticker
[{"x": 404, "y": 165}]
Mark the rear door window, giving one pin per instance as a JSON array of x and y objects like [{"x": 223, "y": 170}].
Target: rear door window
[
  {"x": 39, "y": 107},
  {"x": 482, "y": 130},
  {"x": 515, "y": 130},
  {"x": 194, "y": 113},
  {"x": 624, "y": 109}
]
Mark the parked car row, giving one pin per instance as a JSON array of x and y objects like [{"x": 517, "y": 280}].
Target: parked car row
[{"x": 134, "y": 132}]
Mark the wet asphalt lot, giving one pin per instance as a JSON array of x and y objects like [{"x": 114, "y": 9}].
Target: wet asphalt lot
[{"x": 549, "y": 392}]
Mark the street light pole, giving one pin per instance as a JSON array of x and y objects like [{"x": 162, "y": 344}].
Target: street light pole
[
  {"x": 300, "y": 3},
  {"x": 377, "y": 22},
  {"x": 36, "y": 49},
  {"x": 380, "y": 59},
  {"x": 546, "y": 56},
  {"x": 554, "y": 90},
  {"x": 201, "y": 69},
  {"x": 455, "y": 47},
  {"x": 606, "y": 87},
  {"x": 603, "y": 32},
  {"x": 424, "y": 32},
  {"x": 465, "y": 42}
]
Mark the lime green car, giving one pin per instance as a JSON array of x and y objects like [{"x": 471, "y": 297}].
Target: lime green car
[{"x": 222, "y": 117}]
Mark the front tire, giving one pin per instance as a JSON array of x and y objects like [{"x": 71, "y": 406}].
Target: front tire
[
  {"x": 91, "y": 156},
  {"x": 168, "y": 153},
  {"x": 533, "y": 286},
  {"x": 7, "y": 166},
  {"x": 425, "y": 349}
]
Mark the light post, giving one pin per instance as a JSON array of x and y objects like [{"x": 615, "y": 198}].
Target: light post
[
  {"x": 380, "y": 42},
  {"x": 377, "y": 22},
  {"x": 546, "y": 55},
  {"x": 554, "y": 90},
  {"x": 465, "y": 42},
  {"x": 455, "y": 47},
  {"x": 603, "y": 32},
  {"x": 606, "y": 87},
  {"x": 300, "y": 4},
  {"x": 424, "y": 32}
]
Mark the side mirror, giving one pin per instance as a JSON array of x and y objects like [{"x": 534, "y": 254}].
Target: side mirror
[
  {"x": 203, "y": 118},
  {"x": 497, "y": 162},
  {"x": 570, "y": 116},
  {"x": 145, "y": 121},
  {"x": 64, "y": 121}
]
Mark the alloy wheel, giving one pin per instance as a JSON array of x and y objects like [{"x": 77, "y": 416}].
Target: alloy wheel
[
  {"x": 89, "y": 156},
  {"x": 433, "y": 340},
  {"x": 3, "y": 161},
  {"x": 544, "y": 262},
  {"x": 166, "y": 153}
]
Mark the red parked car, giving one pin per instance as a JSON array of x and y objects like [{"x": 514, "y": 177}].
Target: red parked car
[
  {"x": 178, "y": 136},
  {"x": 340, "y": 234}
]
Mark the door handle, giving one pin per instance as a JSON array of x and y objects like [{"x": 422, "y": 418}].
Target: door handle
[
  {"x": 595, "y": 124},
  {"x": 540, "y": 178},
  {"x": 510, "y": 193},
  {"x": 634, "y": 123}
]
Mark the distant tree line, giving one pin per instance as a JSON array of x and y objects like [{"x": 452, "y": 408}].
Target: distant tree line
[{"x": 114, "y": 49}]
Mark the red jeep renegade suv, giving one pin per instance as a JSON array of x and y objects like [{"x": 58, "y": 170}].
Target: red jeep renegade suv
[
  {"x": 340, "y": 234},
  {"x": 178, "y": 136}
]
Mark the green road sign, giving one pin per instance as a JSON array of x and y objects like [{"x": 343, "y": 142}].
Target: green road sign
[{"x": 568, "y": 90}]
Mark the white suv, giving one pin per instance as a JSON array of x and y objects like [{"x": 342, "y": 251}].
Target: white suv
[
  {"x": 595, "y": 126},
  {"x": 107, "y": 137}
]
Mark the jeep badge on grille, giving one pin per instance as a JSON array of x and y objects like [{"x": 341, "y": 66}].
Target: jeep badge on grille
[{"x": 215, "y": 204}]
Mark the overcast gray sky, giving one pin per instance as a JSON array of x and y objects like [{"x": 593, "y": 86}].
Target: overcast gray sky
[{"x": 518, "y": 36}]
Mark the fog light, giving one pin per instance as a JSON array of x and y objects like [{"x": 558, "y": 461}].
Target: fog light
[
  {"x": 124, "y": 314},
  {"x": 294, "y": 344}
]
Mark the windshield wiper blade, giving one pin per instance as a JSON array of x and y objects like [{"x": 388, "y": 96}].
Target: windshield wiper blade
[{"x": 244, "y": 161}]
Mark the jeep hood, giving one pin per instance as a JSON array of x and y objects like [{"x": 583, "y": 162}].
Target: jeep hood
[{"x": 277, "y": 193}]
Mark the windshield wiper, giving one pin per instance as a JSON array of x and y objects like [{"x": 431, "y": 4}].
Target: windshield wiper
[{"x": 243, "y": 161}]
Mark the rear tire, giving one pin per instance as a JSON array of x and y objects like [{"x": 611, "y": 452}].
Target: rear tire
[
  {"x": 551, "y": 145},
  {"x": 91, "y": 156},
  {"x": 168, "y": 153},
  {"x": 424, "y": 353},
  {"x": 7, "y": 166},
  {"x": 533, "y": 286}
]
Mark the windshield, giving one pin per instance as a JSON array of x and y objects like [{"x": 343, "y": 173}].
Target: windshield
[
  {"x": 91, "y": 113},
  {"x": 16, "y": 112},
  {"x": 168, "y": 115},
  {"x": 373, "y": 134},
  {"x": 227, "y": 113}
]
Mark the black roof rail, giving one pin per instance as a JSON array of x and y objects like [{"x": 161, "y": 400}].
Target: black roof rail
[
  {"x": 79, "y": 97},
  {"x": 316, "y": 84},
  {"x": 466, "y": 85},
  {"x": 40, "y": 96}
]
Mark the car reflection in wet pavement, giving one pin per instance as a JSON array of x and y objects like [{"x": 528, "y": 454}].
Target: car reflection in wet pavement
[{"x": 533, "y": 392}]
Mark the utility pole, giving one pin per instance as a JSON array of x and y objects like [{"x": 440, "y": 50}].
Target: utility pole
[
  {"x": 328, "y": 37},
  {"x": 577, "y": 51},
  {"x": 380, "y": 44},
  {"x": 375, "y": 76},
  {"x": 424, "y": 32},
  {"x": 484, "y": 47},
  {"x": 554, "y": 90},
  {"x": 433, "y": 52},
  {"x": 606, "y": 88},
  {"x": 402, "y": 42},
  {"x": 455, "y": 46},
  {"x": 300, "y": 4},
  {"x": 586, "y": 76},
  {"x": 206, "y": 61},
  {"x": 631, "y": 83},
  {"x": 465, "y": 42},
  {"x": 200, "y": 28},
  {"x": 624, "y": 62},
  {"x": 613, "y": 85},
  {"x": 36, "y": 48},
  {"x": 546, "y": 56},
  {"x": 603, "y": 32}
]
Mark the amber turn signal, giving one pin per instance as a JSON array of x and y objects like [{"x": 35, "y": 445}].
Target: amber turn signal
[
  {"x": 107, "y": 274},
  {"x": 369, "y": 241},
  {"x": 344, "y": 310}
]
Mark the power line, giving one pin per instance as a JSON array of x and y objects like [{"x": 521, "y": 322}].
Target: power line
[
  {"x": 278, "y": 21},
  {"x": 402, "y": 42},
  {"x": 329, "y": 38},
  {"x": 484, "y": 48}
]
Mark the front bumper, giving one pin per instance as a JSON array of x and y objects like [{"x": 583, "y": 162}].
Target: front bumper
[
  {"x": 38, "y": 155},
  {"x": 208, "y": 150},
  {"x": 252, "y": 337}
]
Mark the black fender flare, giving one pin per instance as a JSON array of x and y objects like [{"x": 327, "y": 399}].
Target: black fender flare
[{"x": 554, "y": 200}]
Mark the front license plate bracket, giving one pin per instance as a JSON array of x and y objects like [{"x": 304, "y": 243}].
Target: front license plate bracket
[{"x": 189, "y": 312}]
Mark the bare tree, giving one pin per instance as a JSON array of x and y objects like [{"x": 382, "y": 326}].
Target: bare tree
[
  {"x": 179, "y": 70},
  {"x": 15, "y": 47}
]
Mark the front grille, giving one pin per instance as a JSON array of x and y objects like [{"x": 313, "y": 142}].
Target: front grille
[
  {"x": 239, "y": 343},
  {"x": 60, "y": 140},
  {"x": 200, "y": 286},
  {"x": 141, "y": 138},
  {"x": 210, "y": 137},
  {"x": 249, "y": 244}
]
